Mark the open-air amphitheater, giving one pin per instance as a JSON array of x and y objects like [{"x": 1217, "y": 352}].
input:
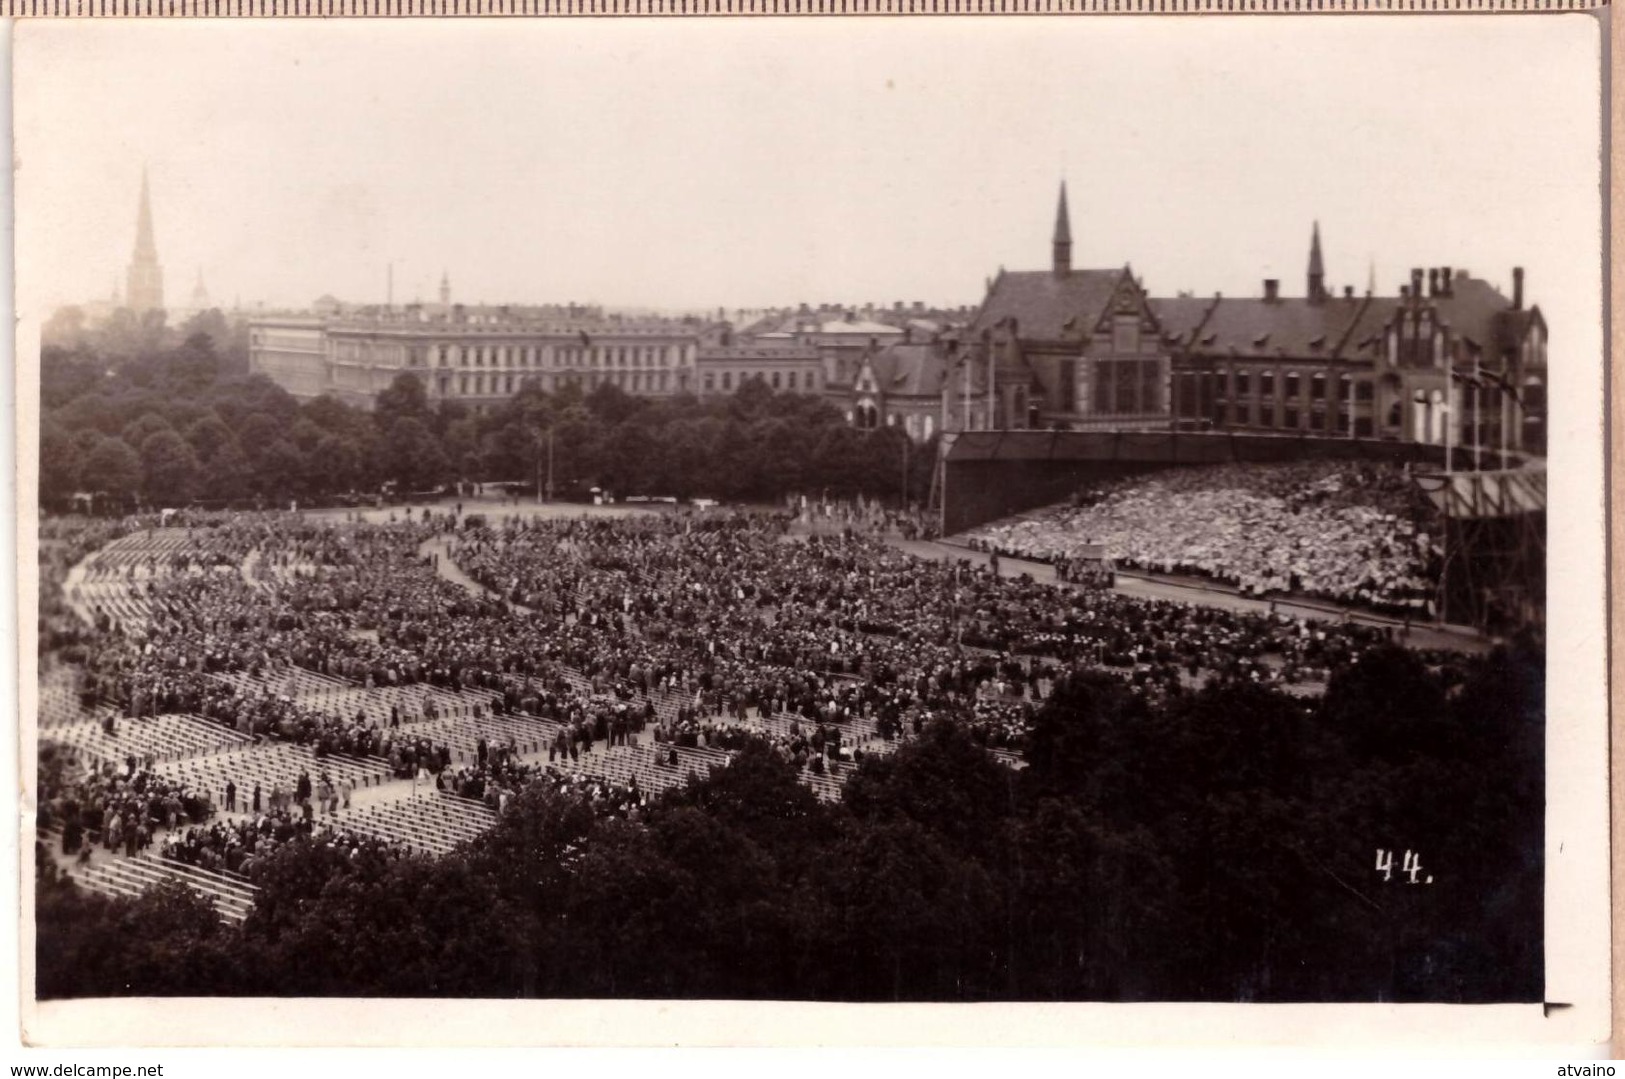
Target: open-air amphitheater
[
  {"x": 616, "y": 658},
  {"x": 113, "y": 586}
]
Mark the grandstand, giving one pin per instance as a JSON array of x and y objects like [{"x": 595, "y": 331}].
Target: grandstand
[
  {"x": 403, "y": 735},
  {"x": 203, "y": 755}
]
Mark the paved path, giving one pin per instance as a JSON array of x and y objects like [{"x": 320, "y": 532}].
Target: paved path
[
  {"x": 1423, "y": 636},
  {"x": 439, "y": 548}
]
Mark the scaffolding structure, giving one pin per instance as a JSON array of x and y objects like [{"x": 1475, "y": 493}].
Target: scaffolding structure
[{"x": 1493, "y": 567}]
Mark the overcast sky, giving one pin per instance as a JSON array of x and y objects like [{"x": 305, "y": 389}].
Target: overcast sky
[{"x": 752, "y": 162}]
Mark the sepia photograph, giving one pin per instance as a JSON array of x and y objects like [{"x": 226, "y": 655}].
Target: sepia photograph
[{"x": 1075, "y": 512}]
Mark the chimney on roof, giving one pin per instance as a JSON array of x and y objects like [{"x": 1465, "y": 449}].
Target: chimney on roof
[
  {"x": 919, "y": 307},
  {"x": 1272, "y": 289},
  {"x": 1062, "y": 244},
  {"x": 1416, "y": 284},
  {"x": 1348, "y": 292},
  {"x": 1433, "y": 283},
  {"x": 1517, "y": 288},
  {"x": 1446, "y": 282}
]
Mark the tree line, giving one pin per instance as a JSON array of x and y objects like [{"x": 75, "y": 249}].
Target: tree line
[
  {"x": 172, "y": 425},
  {"x": 1226, "y": 845}
]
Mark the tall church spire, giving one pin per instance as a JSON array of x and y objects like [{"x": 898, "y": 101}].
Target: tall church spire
[
  {"x": 144, "y": 290},
  {"x": 445, "y": 288},
  {"x": 1317, "y": 269},
  {"x": 1063, "y": 237}
]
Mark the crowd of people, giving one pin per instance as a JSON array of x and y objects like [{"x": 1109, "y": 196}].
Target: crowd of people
[
  {"x": 122, "y": 809},
  {"x": 1352, "y": 532},
  {"x": 683, "y": 630},
  {"x": 241, "y": 845},
  {"x": 870, "y": 516}
]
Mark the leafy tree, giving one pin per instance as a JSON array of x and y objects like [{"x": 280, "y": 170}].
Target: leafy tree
[
  {"x": 207, "y": 435},
  {"x": 611, "y": 405},
  {"x": 333, "y": 415},
  {"x": 169, "y": 941},
  {"x": 113, "y": 468},
  {"x": 912, "y": 917},
  {"x": 403, "y": 399},
  {"x": 413, "y": 457},
  {"x": 194, "y": 367},
  {"x": 59, "y": 465},
  {"x": 67, "y": 374},
  {"x": 65, "y": 328},
  {"x": 226, "y": 475},
  {"x": 943, "y": 781},
  {"x": 335, "y": 464},
  {"x": 839, "y": 461},
  {"x": 281, "y": 471},
  {"x": 212, "y": 327},
  {"x": 463, "y": 451},
  {"x": 1387, "y": 706},
  {"x": 170, "y": 472}
]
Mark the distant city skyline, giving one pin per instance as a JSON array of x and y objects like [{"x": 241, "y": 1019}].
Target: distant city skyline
[{"x": 685, "y": 168}]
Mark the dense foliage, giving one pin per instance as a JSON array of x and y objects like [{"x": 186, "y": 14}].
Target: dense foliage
[
  {"x": 166, "y": 426},
  {"x": 1221, "y": 846}
]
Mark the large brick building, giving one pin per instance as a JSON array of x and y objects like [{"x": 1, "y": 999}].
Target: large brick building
[{"x": 1089, "y": 349}]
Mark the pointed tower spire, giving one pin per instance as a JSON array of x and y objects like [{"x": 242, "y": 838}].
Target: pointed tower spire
[
  {"x": 1317, "y": 269},
  {"x": 1371, "y": 277},
  {"x": 145, "y": 288},
  {"x": 1063, "y": 237},
  {"x": 445, "y": 288},
  {"x": 144, "y": 245},
  {"x": 200, "y": 294}
]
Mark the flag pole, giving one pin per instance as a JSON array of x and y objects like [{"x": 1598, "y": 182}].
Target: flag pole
[
  {"x": 1449, "y": 410},
  {"x": 1478, "y": 447}
]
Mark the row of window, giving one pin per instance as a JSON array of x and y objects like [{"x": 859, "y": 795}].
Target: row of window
[
  {"x": 920, "y": 426},
  {"x": 496, "y": 385},
  {"x": 291, "y": 342},
  {"x": 1292, "y": 385},
  {"x": 596, "y": 356},
  {"x": 778, "y": 380}
]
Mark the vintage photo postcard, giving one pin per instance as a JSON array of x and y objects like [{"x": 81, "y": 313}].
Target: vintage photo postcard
[{"x": 1076, "y": 532}]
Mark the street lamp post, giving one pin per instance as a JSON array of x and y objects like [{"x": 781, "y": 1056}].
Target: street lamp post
[
  {"x": 906, "y": 441},
  {"x": 545, "y": 494}
]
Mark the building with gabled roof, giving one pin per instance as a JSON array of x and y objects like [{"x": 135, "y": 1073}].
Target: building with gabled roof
[
  {"x": 921, "y": 386},
  {"x": 1090, "y": 349},
  {"x": 1075, "y": 348}
]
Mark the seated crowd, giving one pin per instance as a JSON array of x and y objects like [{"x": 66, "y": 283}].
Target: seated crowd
[
  {"x": 1352, "y": 532},
  {"x": 696, "y": 631}
]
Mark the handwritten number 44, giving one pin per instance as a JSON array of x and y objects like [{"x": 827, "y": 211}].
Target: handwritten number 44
[{"x": 1410, "y": 867}]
